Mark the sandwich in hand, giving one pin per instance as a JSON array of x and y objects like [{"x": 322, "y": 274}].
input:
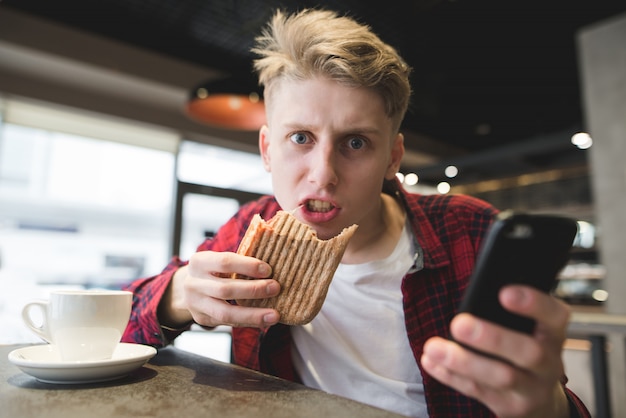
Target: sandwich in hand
[{"x": 302, "y": 263}]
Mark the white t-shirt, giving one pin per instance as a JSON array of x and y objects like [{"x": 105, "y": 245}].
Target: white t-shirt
[{"x": 357, "y": 345}]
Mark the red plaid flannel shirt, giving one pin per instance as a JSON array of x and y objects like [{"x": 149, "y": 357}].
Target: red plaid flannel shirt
[{"x": 448, "y": 228}]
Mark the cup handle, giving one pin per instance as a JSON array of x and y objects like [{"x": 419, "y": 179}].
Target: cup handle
[{"x": 42, "y": 330}]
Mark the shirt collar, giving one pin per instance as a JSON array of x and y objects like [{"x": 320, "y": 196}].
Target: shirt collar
[{"x": 427, "y": 244}]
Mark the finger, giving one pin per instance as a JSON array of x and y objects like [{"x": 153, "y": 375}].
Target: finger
[
  {"x": 551, "y": 314},
  {"x": 207, "y": 301},
  {"x": 467, "y": 371},
  {"x": 219, "y": 312},
  {"x": 232, "y": 289},
  {"x": 204, "y": 263},
  {"x": 516, "y": 348}
]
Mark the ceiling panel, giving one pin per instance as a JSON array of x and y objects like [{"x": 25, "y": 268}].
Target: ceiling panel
[{"x": 488, "y": 74}]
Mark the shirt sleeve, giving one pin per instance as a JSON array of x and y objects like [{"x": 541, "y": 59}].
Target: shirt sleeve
[{"x": 144, "y": 326}]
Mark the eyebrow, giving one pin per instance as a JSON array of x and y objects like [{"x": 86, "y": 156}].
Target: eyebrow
[{"x": 363, "y": 130}]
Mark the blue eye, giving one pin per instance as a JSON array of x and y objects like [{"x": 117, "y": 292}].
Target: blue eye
[
  {"x": 298, "y": 138},
  {"x": 356, "y": 143}
]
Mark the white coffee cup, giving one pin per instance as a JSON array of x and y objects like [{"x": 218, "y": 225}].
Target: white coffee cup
[{"x": 85, "y": 325}]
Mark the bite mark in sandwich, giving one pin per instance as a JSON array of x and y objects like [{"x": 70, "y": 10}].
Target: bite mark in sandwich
[{"x": 302, "y": 263}]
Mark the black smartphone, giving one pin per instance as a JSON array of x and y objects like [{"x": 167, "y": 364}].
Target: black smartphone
[{"x": 519, "y": 248}]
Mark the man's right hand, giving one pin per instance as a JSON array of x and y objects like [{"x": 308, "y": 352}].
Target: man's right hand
[{"x": 201, "y": 292}]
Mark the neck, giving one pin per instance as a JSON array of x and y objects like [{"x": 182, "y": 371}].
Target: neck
[{"x": 377, "y": 239}]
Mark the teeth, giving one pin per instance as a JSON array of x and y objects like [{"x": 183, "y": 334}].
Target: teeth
[{"x": 318, "y": 206}]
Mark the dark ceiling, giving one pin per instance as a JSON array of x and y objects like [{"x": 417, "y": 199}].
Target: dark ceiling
[{"x": 496, "y": 85}]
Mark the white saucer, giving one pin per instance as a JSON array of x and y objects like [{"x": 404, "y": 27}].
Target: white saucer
[{"x": 44, "y": 363}]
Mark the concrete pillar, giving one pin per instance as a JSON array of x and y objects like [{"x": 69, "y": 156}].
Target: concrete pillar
[{"x": 602, "y": 52}]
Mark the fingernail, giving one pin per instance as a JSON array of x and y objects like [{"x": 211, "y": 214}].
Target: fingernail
[
  {"x": 466, "y": 329},
  {"x": 265, "y": 270},
  {"x": 271, "y": 289},
  {"x": 435, "y": 353},
  {"x": 270, "y": 318},
  {"x": 514, "y": 295}
]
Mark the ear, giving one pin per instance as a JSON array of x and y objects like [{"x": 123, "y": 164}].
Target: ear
[
  {"x": 264, "y": 147},
  {"x": 397, "y": 153}
]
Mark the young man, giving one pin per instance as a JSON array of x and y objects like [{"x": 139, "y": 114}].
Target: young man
[{"x": 335, "y": 98}]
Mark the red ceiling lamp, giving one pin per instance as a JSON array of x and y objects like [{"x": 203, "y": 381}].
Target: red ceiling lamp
[{"x": 233, "y": 103}]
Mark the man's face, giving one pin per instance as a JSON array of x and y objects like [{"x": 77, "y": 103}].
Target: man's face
[{"x": 329, "y": 147}]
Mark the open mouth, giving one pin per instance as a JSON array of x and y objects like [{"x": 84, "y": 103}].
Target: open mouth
[{"x": 318, "y": 206}]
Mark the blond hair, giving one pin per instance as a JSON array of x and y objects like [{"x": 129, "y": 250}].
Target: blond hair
[{"x": 314, "y": 43}]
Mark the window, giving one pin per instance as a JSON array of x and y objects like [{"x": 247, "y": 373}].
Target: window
[
  {"x": 86, "y": 201},
  {"x": 79, "y": 212},
  {"x": 221, "y": 167},
  {"x": 72, "y": 196}
]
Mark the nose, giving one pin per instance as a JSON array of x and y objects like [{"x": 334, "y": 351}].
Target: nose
[{"x": 323, "y": 165}]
